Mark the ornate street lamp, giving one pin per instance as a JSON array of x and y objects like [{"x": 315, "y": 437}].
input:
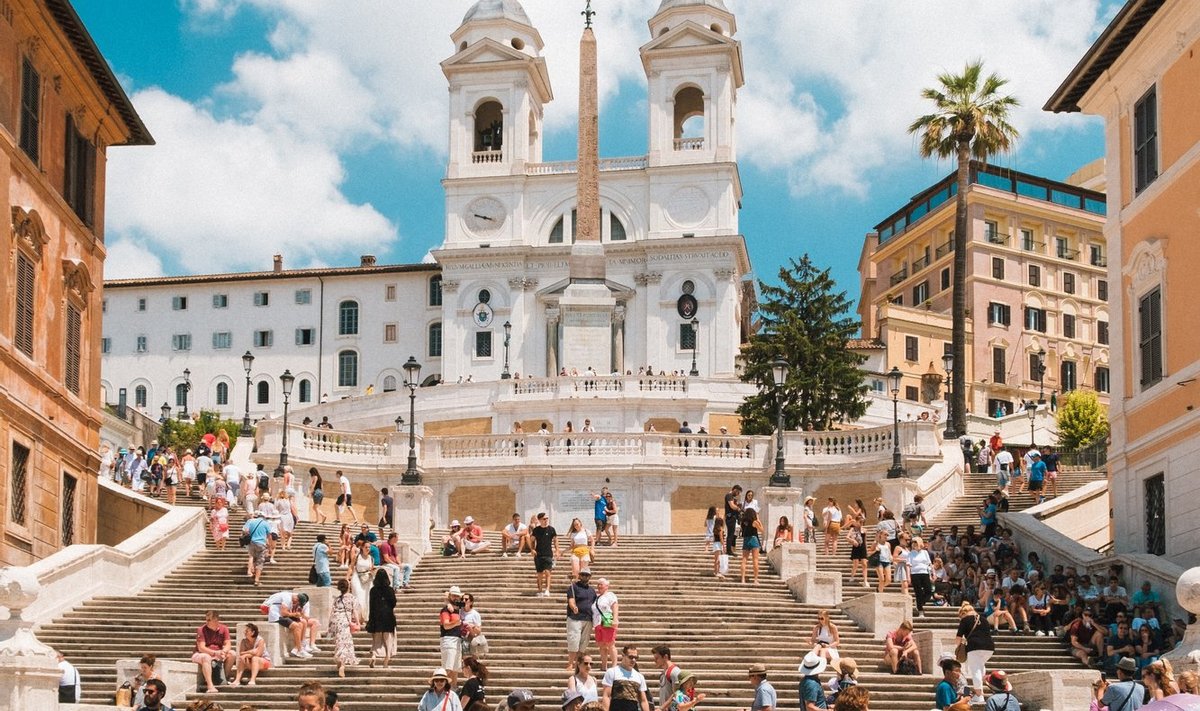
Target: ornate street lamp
[
  {"x": 1031, "y": 410},
  {"x": 399, "y": 423},
  {"x": 695, "y": 342},
  {"x": 247, "y": 364},
  {"x": 187, "y": 388},
  {"x": 286, "y": 380},
  {"x": 779, "y": 373},
  {"x": 1041, "y": 376},
  {"x": 412, "y": 371},
  {"x": 507, "y": 337},
  {"x": 166, "y": 413},
  {"x": 948, "y": 365},
  {"x": 897, "y": 470}
]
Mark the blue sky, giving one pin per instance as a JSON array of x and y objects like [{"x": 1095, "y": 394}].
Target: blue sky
[{"x": 318, "y": 128}]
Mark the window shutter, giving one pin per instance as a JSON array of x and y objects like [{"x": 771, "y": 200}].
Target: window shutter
[
  {"x": 31, "y": 109},
  {"x": 24, "y": 317},
  {"x": 73, "y": 347}
]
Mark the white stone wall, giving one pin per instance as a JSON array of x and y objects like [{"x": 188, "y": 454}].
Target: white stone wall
[{"x": 1180, "y": 466}]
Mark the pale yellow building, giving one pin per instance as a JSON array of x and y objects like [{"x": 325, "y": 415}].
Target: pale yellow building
[
  {"x": 1143, "y": 77},
  {"x": 1037, "y": 291},
  {"x": 60, "y": 110}
]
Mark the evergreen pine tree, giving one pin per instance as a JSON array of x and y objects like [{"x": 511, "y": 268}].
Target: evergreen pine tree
[{"x": 805, "y": 321}]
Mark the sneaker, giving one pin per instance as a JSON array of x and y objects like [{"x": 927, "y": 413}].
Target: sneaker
[
  {"x": 313, "y": 648},
  {"x": 976, "y": 701},
  {"x": 520, "y": 554},
  {"x": 505, "y": 554},
  {"x": 294, "y": 652},
  {"x": 920, "y": 615},
  {"x": 1041, "y": 633}
]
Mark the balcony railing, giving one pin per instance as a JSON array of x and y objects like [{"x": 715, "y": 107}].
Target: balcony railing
[
  {"x": 920, "y": 264},
  {"x": 689, "y": 144},
  {"x": 599, "y": 384},
  {"x": 1030, "y": 245},
  {"x": 944, "y": 249},
  {"x": 899, "y": 276},
  {"x": 567, "y": 167},
  {"x": 487, "y": 157},
  {"x": 995, "y": 237},
  {"x": 1099, "y": 260},
  {"x": 1070, "y": 254}
]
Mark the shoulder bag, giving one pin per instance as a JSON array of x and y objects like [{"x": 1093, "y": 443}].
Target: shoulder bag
[{"x": 960, "y": 651}]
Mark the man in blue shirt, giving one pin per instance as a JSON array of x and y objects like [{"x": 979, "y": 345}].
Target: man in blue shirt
[
  {"x": 599, "y": 516},
  {"x": 948, "y": 688},
  {"x": 258, "y": 529},
  {"x": 1126, "y": 694},
  {"x": 1037, "y": 476},
  {"x": 765, "y": 698}
]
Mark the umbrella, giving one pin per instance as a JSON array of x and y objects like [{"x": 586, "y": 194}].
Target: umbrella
[
  {"x": 1177, "y": 702},
  {"x": 209, "y": 438}
]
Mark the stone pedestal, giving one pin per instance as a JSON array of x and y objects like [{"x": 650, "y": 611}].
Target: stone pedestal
[
  {"x": 791, "y": 559},
  {"x": 587, "y": 318},
  {"x": 898, "y": 493},
  {"x": 781, "y": 501},
  {"x": 933, "y": 645},
  {"x": 276, "y": 638},
  {"x": 1186, "y": 656},
  {"x": 816, "y": 587},
  {"x": 1060, "y": 690},
  {"x": 414, "y": 517},
  {"x": 29, "y": 671},
  {"x": 879, "y": 613},
  {"x": 320, "y": 603}
]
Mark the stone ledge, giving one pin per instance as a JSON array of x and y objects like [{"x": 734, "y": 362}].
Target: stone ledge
[
  {"x": 817, "y": 588},
  {"x": 1060, "y": 690},
  {"x": 791, "y": 559},
  {"x": 878, "y": 613},
  {"x": 181, "y": 678}
]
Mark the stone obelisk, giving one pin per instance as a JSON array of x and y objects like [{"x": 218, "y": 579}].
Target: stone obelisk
[{"x": 587, "y": 304}]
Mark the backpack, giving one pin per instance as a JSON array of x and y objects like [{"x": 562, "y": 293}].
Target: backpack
[
  {"x": 907, "y": 667},
  {"x": 912, "y": 510},
  {"x": 264, "y": 481}
]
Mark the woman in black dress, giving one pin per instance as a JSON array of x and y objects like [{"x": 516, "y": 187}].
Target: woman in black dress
[
  {"x": 858, "y": 547},
  {"x": 381, "y": 618}
]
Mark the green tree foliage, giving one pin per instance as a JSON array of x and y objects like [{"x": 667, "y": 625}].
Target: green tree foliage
[
  {"x": 181, "y": 435},
  {"x": 969, "y": 119},
  {"x": 805, "y": 321},
  {"x": 1082, "y": 420}
]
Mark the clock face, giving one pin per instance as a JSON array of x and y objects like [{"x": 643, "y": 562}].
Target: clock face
[{"x": 485, "y": 216}]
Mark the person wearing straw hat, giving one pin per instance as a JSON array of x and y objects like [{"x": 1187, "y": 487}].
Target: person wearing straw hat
[
  {"x": 1002, "y": 698},
  {"x": 812, "y": 694},
  {"x": 440, "y": 696},
  {"x": 1127, "y": 694},
  {"x": 685, "y": 697},
  {"x": 765, "y": 698}
]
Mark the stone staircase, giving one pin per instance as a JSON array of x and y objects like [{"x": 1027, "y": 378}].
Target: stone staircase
[{"x": 667, "y": 595}]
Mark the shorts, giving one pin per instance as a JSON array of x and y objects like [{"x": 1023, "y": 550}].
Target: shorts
[
  {"x": 345, "y": 499},
  {"x": 285, "y": 622},
  {"x": 318, "y": 496},
  {"x": 600, "y": 523},
  {"x": 201, "y": 478},
  {"x": 578, "y": 632},
  {"x": 834, "y": 528},
  {"x": 258, "y": 552},
  {"x": 614, "y": 521},
  {"x": 717, "y": 547},
  {"x": 582, "y": 553},
  {"x": 451, "y": 653},
  {"x": 1052, "y": 475},
  {"x": 750, "y": 543},
  {"x": 1035, "y": 485},
  {"x": 473, "y": 546},
  {"x": 541, "y": 564},
  {"x": 605, "y": 635},
  {"x": 204, "y": 657}
]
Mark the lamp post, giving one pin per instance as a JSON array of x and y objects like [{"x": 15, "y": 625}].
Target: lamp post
[
  {"x": 897, "y": 470},
  {"x": 779, "y": 373},
  {"x": 399, "y": 423},
  {"x": 286, "y": 380},
  {"x": 1041, "y": 376},
  {"x": 695, "y": 342},
  {"x": 187, "y": 388},
  {"x": 1031, "y": 410},
  {"x": 948, "y": 365},
  {"x": 247, "y": 364},
  {"x": 507, "y": 337},
  {"x": 412, "y": 371},
  {"x": 166, "y": 413}
]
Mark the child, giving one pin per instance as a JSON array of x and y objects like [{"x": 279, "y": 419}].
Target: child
[{"x": 685, "y": 698}]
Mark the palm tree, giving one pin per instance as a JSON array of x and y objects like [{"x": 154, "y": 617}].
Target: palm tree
[{"x": 970, "y": 120}]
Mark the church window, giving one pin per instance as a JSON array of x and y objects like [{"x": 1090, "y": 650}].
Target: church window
[
  {"x": 435, "y": 340},
  {"x": 616, "y": 228},
  {"x": 348, "y": 318},
  {"x": 483, "y": 344},
  {"x": 348, "y": 369},
  {"x": 222, "y": 393},
  {"x": 559, "y": 230},
  {"x": 264, "y": 392},
  {"x": 689, "y": 119},
  {"x": 305, "y": 390},
  {"x": 389, "y": 384},
  {"x": 435, "y": 290},
  {"x": 139, "y": 396},
  {"x": 489, "y": 127}
]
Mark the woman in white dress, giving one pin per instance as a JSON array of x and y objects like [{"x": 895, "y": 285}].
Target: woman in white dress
[
  {"x": 825, "y": 637},
  {"x": 359, "y": 576},
  {"x": 900, "y": 563},
  {"x": 287, "y": 518}
]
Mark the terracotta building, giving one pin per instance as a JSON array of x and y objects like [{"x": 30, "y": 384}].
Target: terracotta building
[
  {"x": 1143, "y": 76},
  {"x": 1037, "y": 291},
  {"x": 60, "y": 110}
]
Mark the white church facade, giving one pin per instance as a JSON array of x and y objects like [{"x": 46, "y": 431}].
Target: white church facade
[{"x": 674, "y": 274}]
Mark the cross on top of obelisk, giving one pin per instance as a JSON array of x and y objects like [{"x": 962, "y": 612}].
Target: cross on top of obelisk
[{"x": 587, "y": 14}]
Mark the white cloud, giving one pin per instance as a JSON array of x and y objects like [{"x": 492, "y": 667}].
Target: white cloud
[
  {"x": 127, "y": 259},
  {"x": 216, "y": 195}
]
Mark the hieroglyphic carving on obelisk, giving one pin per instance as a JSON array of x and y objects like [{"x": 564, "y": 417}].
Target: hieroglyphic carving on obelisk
[{"x": 588, "y": 263}]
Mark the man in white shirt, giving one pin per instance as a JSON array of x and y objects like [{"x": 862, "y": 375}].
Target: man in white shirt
[
  {"x": 233, "y": 479},
  {"x": 292, "y": 612},
  {"x": 1004, "y": 466},
  {"x": 69, "y": 688},
  {"x": 344, "y": 499},
  {"x": 514, "y": 537},
  {"x": 624, "y": 686},
  {"x": 1014, "y": 578},
  {"x": 204, "y": 465}
]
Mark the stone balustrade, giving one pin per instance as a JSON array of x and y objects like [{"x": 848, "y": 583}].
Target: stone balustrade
[
  {"x": 568, "y": 167},
  {"x": 588, "y": 386},
  {"x": 487, "y": 157}
]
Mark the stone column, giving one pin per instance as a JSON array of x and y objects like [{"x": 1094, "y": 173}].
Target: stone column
[
  {"x": 414, "y": 515},
  {"x": 28, "y": 669},
  {"x": 1186, "y": 657},
  {"x": 618, "y": 357},
  {"x": 551, "y": 342},
  {"x": 781, "y": 501}
]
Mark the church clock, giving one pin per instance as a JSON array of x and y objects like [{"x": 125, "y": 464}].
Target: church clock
[{"x": 485, "y": 216}]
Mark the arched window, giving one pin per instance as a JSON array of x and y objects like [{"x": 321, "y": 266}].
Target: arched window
[
  {"x": 389, "y": 384},
  {"x": 348, "y": 369},
  {"x": 305, "y": 390},
  {"x": 139, "y": 396},
  {"x": 559, "y": 230},
  {"x": 181, "y": 392},
  {"x": 489, "y": 127},
  {"x": 435, "y": 340},
  {"x": 689, "y": 119},
  {"x": 348, "y": 318},
  {"x": 222, "y": 393},
  {"x": 435, "y": 290},
  {"x": 264, "y": 392},
  {"x": 616, "y": 228}
]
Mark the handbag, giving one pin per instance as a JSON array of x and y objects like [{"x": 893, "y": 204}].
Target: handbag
[
  {"x": 960, "y": 650},
  {"x": 873, "y": 560},
  {"x": 312, "y": 575},
  {"x": 723, "y": 563}
]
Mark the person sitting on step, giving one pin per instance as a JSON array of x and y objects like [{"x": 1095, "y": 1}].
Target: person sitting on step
[
  {"x": 900, "y": 646},
  {"x": 292, "y": 612},
  {"x": 213, "y": 648}
]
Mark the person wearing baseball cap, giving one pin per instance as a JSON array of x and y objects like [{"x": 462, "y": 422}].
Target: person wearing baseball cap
[
  {"x": 450, "y": 629},
  {"x": 520, "y": 700},
  {"x": 1002, "y": 698},
  {"x": 572, "y": 699}
]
